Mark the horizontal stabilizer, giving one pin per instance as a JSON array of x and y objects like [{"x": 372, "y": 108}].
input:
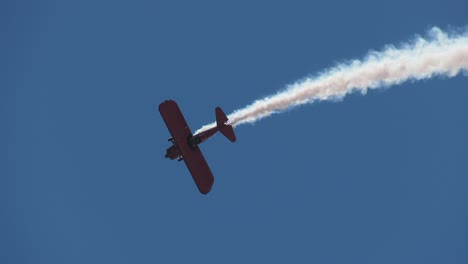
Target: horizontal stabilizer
[{"x": 228, "y": 132}]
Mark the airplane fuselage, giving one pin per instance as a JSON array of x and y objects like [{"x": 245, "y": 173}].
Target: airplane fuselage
[{"x": 173, "y": 151}]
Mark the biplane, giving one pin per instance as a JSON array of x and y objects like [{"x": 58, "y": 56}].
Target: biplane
[{"x": 185, "y": 144}]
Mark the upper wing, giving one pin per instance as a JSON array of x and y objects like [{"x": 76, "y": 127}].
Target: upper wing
[
  {"x": 193, "y": 157},
  {"x": 175, "y": 121},
  {"x": 200, "y": 170}
]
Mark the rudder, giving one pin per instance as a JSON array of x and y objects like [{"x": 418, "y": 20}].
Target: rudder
[{"x": 221, "y": 117}]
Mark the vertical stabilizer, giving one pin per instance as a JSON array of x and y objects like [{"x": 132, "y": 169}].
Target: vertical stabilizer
[
  {"x": 221, "y": 117},
  {"x": 221, "y": 120}
]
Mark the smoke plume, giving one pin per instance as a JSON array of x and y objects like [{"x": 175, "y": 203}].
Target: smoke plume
[{"x": 440, "y": 54}]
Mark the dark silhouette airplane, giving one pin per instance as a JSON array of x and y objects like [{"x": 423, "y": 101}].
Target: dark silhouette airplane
[{"x": 185, "y": 144}]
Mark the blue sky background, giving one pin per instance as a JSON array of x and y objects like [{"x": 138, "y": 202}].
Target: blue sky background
[{"x": 380, "y": 178}]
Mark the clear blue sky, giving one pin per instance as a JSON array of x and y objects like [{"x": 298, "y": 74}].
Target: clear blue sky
[{"x": 377, "y": 179}]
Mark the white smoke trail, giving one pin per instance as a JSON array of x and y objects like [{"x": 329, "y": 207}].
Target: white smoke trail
[{"x": 441, "y": 54}]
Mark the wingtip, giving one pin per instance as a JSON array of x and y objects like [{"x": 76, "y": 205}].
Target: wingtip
[
  {"x": 166, "y": 102},
  {"x": 205, "y": 190}
]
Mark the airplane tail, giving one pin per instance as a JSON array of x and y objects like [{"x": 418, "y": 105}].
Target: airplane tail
[{"x": 226, "y": 130}]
